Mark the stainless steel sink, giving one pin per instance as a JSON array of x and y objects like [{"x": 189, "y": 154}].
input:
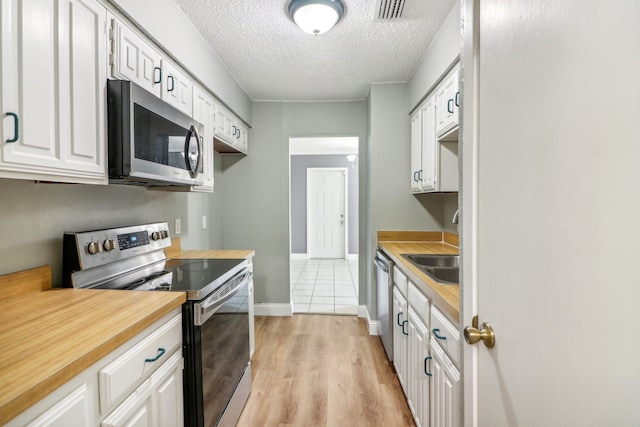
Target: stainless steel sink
[
  {"x": 444, "y": 269},
  {"x": 444, "y": 275},
  {"x": 430, "y": 260}
]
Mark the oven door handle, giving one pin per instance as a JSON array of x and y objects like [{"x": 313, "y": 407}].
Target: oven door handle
[{"x": 211, "y": 305}]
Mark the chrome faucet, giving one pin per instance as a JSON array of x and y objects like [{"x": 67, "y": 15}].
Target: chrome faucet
[{"x": 454, "y": 220}]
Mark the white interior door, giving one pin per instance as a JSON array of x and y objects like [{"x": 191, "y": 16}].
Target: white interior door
[
  {"x": 551, "y": 202},
  {"x": 326, "y": 214}
]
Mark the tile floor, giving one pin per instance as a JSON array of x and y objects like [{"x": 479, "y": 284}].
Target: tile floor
[{"x": 324, "y": 286}]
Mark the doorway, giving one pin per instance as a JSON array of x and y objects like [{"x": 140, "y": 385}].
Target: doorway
[{"x": 323, "y": 223}]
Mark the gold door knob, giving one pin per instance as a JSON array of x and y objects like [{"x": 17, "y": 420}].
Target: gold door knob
[{"x": 472, "y": 335}]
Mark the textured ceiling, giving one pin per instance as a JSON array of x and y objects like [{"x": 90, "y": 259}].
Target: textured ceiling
[{"x": 272, "y": 59}]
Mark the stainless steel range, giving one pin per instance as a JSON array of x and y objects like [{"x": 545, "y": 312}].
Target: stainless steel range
[{"x": 217, "y": 372}]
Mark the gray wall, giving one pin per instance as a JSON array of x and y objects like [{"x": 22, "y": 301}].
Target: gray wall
[
  {"x": 391, "y": 204},
  {"x": 299, "y": 165},
  {"x": 256, "y": 188},
  {"x": 442, "y": 53},
  {"x": 34, "y": 216}
]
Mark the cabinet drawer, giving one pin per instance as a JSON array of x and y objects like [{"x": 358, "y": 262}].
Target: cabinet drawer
[
  {"x": 130, "y": 369},
  {"x": 445, "y": 333},
  {"x": 419, "y": 302},
  {"x": 400, "y": 280}
]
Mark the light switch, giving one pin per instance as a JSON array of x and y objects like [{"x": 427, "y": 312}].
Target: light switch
[
  {"x": 178, "y": 226},
  {"x": 204, "y": 222}
]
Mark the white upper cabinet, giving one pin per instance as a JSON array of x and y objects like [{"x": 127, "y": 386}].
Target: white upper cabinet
[
  {"x": 434, "y": 143},
  {"x": 53, "y": 90},
  {"x": 429, "y": 176},
  {"x": 232, "y": 135},
  {"x": 203, "y": 112},
  {"x": 448, "y": 102},
  {"x": 177, "y": 88},
  {"x": 423, "y": 148},
  {"x": 134, "y": 59},
  {"x": 416, "y": 151}
]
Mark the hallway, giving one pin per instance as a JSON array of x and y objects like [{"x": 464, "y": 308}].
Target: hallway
[{"x": 324, "y": 286}]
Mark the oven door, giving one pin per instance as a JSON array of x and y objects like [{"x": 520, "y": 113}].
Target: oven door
[{"x": 217, "y": 354}]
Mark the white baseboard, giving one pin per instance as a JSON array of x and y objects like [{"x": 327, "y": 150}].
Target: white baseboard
[
  {"x": 372, "y": 325},
  {"x": 303, "y": 257},
  {"x": 284, "y": 310}
]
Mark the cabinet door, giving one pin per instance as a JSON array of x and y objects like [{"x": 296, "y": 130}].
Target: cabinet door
[
  {"x": 203, "y": 112},
  {"x": 177, "y": 89},
  {"x": 156, "y": 402},
  {"x": 447, "y": 96},
  {"x": 135, "y": 60},
  {"x": 53, "y": 56},
  {"x": 429, "y": 173},
  {"x": 418, "y": 369},
  {"x": 167, "y": 383},
  {"x": 224, "y": 124},
  {"x": 416, "y": 151},
  {"x": 72, "y": 411},
  {"x": 400, "y": 337},
  {"x": 445, "y": 389},
  {"x": 82, "y": 91},
  {"x": 29, "y": 86},
  {"x": 242, "y": 137}
]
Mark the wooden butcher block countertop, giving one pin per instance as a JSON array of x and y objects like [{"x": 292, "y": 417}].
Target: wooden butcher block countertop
[
  {"x": 48, "y": 336},
  {"x": 176, "y": 252},
  {"x": 395, "y": 243}
]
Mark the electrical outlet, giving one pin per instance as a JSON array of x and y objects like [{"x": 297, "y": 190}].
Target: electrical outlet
[
  {"x": 204, "y": 222},
  {"x": 178, "y": 226}
]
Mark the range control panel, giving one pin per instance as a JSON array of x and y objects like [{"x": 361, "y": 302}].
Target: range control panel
[{"x": 99, "y": 247}]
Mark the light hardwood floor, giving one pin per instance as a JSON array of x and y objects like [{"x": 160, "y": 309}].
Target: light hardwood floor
[{"x": 322, "y": 370}]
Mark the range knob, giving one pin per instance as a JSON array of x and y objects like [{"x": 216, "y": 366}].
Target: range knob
[
  {"x": 109, "y": 245},
  {"x": 155, "y": 235},
  {"x": 165, "y": 234},
  {"x": 93, "y": 247}
]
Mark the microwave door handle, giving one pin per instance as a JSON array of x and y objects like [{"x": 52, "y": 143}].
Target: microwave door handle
[{"x": 193, "y": 171}]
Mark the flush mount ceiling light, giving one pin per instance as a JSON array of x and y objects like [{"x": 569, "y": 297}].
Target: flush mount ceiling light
[{"x": 316, "y": 16}]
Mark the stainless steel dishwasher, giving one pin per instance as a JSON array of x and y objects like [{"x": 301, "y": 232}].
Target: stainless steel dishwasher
[{"x": 384, "y": 267}]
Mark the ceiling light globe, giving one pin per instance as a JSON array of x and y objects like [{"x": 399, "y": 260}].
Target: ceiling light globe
[{"x": 316, "y": 16}]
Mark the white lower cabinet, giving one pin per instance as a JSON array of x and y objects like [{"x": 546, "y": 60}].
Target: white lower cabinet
[
  {"x": 156, "y": 403},
  {"x": 74, "y": 410},
  {"x": 428, "y": 376},
  {"x": 418, "y": 375},
  {"x": 138, "y": 384},
  {"x": 400, "y": 337},
  {"x": 445, "y": 389}
]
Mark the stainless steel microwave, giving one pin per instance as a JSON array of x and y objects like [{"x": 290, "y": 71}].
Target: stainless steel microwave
[{"x": 149, "y": 141}]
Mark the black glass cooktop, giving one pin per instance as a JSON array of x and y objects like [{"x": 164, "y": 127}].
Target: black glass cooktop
[{"x": 200, "y": 277}]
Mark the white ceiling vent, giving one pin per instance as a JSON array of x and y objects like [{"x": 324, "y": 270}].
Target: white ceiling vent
[{"x": 389, "y": 9}]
